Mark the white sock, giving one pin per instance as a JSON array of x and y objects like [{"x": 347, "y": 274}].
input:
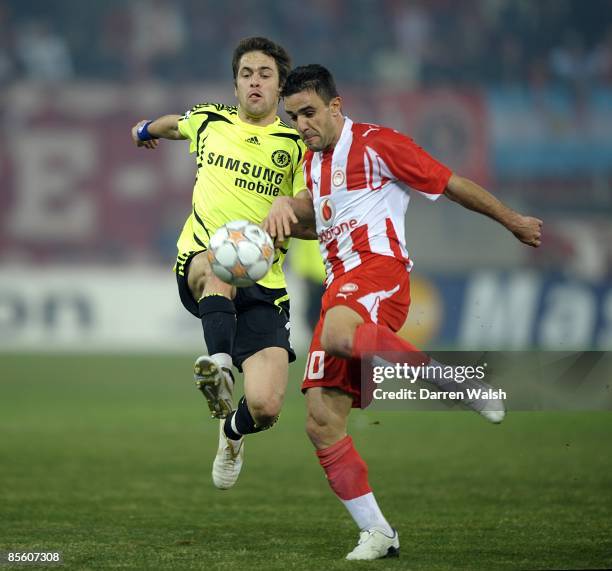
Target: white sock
[
  {"x": 367, "y": 514},
  {"x": 223, "y": 360}
]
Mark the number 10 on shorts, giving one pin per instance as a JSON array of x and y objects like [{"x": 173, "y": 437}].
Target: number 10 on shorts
[{"x": 315, "y": 366}]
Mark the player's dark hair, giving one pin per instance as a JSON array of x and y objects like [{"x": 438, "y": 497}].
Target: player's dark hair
[
  {"x": 313, "y": 77},
  {"x": 268, "y": 47}
]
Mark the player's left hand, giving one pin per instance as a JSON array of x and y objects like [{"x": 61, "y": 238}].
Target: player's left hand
[
  {"x": 278, "y": 221},
  {"x": 528, "y": 230}
]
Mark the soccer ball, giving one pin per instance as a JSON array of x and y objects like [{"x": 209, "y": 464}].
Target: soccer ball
[{"x": 240, "y": 253}]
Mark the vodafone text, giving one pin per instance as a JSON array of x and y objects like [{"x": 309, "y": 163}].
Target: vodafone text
[{"x": 335, "y": 231}]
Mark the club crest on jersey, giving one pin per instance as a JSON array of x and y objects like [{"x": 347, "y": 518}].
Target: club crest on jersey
[
  {"x": 281, "y": 158},
  {"x": 338, "y": 177},
  {"x": 327, "y": 212}
]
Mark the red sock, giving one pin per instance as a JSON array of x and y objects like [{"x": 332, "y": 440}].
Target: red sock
[
  {"x": 346, "y": 471},
  {"x": 373, "y": 339}
]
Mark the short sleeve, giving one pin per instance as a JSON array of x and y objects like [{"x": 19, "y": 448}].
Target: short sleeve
[
  {"x": 298, "y": 183},
  {"x": 410, "y": 164},
  {"x": 189, "y": 124}
]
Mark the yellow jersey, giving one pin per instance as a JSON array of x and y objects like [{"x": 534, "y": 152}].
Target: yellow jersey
[
  {"x": 241, "y": 169},
  {"x": 306, "y": 261}
]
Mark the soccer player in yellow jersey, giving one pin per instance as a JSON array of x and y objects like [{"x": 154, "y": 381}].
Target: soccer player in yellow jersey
[{"x": 246, "y": 157}]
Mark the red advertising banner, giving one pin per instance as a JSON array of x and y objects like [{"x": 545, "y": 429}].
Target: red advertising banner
[{"x": 75, "y": 189}]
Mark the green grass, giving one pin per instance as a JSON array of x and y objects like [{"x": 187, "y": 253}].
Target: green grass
[{"x": 108, "y": 460}]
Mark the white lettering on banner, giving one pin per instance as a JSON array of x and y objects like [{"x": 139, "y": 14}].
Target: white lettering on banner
[
  {"x": 50, "y": 202},
  {"x": 570, "y": 311},
  {"x": 499, "y": 312}
]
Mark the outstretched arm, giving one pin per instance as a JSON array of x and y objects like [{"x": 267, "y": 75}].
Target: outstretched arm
[
  {"x": 291, "y": 217},
  {"x": 146, "y": 133},
  {"x": 472, "y": 196}
]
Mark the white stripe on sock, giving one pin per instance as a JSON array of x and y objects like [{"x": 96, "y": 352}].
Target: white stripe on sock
[
  {"x": 366, "y": 513},
  {"x": 233, "y": 424}
]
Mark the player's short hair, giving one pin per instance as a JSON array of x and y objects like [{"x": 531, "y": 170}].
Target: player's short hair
[
  {"x": 268, "y": 47},
  {"x": 313, "y": 77}
]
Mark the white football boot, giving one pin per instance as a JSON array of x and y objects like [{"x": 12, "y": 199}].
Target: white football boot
[
  {"x": 216, "y": 384},
  {"x": 228, "y": 461},
  {"x": 492, "y": 409},
  {"x": 374, "y": 544}
]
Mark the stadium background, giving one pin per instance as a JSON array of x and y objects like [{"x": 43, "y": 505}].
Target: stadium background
[{"x": 514, "y": 94}]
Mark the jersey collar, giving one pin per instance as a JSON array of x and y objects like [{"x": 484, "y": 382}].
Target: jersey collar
[
  {"x": 246, "y": 125},
  {"x": 345, "y": 135}
]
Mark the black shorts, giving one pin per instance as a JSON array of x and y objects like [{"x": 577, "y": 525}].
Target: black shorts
[{"x": 262, "y": 316}]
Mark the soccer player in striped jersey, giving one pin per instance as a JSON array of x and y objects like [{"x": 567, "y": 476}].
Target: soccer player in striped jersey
[
  {"x": 358, "y": 177},
  {"x": 246, "y": 158}
]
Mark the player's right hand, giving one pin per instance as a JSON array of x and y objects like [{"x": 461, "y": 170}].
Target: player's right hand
[
  {"x": 278, "y": 221},
  {"x": 152, "y": 144}
]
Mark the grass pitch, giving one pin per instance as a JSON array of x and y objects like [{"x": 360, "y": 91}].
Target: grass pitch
[{"x": 107, "y": 459}]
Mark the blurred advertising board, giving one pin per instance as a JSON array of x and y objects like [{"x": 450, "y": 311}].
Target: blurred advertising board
[
  {"x": 550, "y": 133},
  {"x": 137, "y": 309},
  {"x": 510, "y": 311},
  {"x": 93, "y": 309}
]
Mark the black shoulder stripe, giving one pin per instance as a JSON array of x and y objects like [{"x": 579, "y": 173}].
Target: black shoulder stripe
[
  {"x": 215, "y": 106},
  {"x": 295, "y": 138},
  {"x": 212, "y": 116},
  {"x": 231, "y": 109}
]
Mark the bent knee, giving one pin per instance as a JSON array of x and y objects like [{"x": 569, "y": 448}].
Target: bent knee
[
  {"x": 338, "y": 331},
  {"x": 197, "y": 286},
  {"x": 199, "y": 274},
  {"x": 266, "y": 413}
]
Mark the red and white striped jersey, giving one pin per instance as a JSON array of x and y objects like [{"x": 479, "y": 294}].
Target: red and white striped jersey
[{"x": 360, "y": 194}]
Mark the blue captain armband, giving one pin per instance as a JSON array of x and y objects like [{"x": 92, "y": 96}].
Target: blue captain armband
[{"x": 143, "y": 132}]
